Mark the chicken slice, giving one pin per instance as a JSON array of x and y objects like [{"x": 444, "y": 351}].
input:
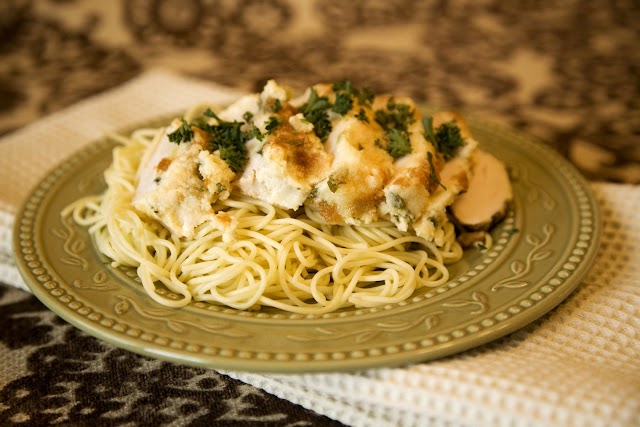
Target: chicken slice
[
  {"x": 424, "y": 183},
  {"x": 352, "y": 190},
  {"x": 178, "y": 183},
  {"x": 284, "y": 166},
  {"x": 489, "y": 196},
  {"x": 284, "y": 169}
]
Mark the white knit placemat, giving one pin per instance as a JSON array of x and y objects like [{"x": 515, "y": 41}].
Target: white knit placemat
[{"x": 578, "y": 366}]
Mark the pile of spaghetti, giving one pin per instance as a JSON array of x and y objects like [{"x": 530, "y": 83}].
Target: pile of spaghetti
[{"x": 205, "y": 221}]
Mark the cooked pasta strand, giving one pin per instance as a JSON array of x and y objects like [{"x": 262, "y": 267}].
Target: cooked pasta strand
[{"x": 296, "y": 262}]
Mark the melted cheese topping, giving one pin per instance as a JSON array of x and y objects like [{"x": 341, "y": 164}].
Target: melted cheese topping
[
  {"x": 350, "y": 177},
  {"x": 284, "y": 168}
]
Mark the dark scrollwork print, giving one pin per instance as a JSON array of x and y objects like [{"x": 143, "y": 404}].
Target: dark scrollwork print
[
  {"x": 567, "y": 72},
  {"x": 72, "y": 379}
]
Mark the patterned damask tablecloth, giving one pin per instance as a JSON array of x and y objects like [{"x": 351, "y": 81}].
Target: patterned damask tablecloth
[{"x": 567, "y": 73}]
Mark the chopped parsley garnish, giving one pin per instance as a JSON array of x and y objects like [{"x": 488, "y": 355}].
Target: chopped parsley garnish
[
  {"x": 395, "y": 121},
  {"x": 344, "y": 86},
  {"x": 220, "y": 188},
  {"x": 397, "y": 202},
  {"x": 315, "y": 112},
  {"x": 395, "y": 116},
  {"x": 272, "y": 123},
  {"x": 316, "y": 102},
  {"x": 333, "y": 185},
  {"x": 183, "y": 134},
  {"x": 446, "y": 138},
  {"x": 252, "y": 131},
  {"x": 398, "y": 144},
  {"x": 277, "y": 106},
  {"x": 313, "y": 194},
  {"x": 209, "y": 113},
  {"x": 228, "y": 139},
  {"x": 343, "y": 103},
  {"x": 427, "y": 124},
  {"x": 434, "y": 175},
  {"x": 362, "y": 115},
  {"x": 364, "y": 96},
  {"x": 234, "y": 155}
]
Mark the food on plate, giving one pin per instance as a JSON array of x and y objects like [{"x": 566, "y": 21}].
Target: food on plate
[{"x": 333, "y": 198}]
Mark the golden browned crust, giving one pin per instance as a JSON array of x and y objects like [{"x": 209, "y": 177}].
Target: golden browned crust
[
  {"x": 163, "y": 164},
  {"x": 303, "y": 157},
  {"x": 328, "y": 211}
]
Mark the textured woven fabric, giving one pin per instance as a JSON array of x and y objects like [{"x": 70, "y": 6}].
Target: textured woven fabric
[{"x": 579, "y": 365}]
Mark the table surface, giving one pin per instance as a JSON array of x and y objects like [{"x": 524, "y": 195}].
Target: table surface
[{"x": 568, "y": 73}]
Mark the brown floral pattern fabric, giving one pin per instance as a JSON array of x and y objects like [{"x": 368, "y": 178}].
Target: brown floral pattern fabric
[
  {"x": 55, "y": 374},
  {"x": 567, "y": 72}
]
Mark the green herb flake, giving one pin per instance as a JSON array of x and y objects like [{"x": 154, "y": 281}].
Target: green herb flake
[
  {"x": 347, "y": 90},
  {"x": 427, "y": 123},
  {"x": 398, "y": 144},
  {"x": 277, "y": 106},
  {"x": 395, "y": 116},
  {"x": 446, "y": 138},
  {"x": 345, "y": 86},
  {"x": 272, "y": 123},
  {"x": 209, "y": 113},
  {"x": 449, "y": 139},
  {"x": 343, "y": 104},
  {"x": 234, "y": 156},
  {"x": 333, "y": 185},
  {"x": 314, "y": 110},
  {"x": 313, "y": 194},
  {"x": 391, "y": 103},
  {"x": 434, "y": 175},
  {"x": 252, "y": 130},
  {"x": 220, "y": 188},
  {"x": 184, "y": 133},
  {"x": 227, "y": 138},
  {"x": 398, "y": 202},
  {"x": 366, "y": 96},
  {"x": 362, "y": 115}
]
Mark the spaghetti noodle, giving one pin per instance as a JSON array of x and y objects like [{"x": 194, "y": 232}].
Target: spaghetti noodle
[
  {"x": 337, "y": 198},
  {"x": 292, "y": 261}
]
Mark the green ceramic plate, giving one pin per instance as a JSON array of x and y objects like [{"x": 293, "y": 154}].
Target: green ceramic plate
[{"x": 541, "y": 252}]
